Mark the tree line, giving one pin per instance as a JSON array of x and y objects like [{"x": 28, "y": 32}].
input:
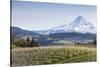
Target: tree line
[{"x": 23, "y": 42}]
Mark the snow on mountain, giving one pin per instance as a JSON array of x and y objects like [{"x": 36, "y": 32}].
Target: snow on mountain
[{"x": 79, "y": 25}]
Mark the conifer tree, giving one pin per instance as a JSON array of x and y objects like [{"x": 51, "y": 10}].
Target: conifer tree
[
  {"x": 28, "y": 39},
  {"x": 33, "y": 43}
]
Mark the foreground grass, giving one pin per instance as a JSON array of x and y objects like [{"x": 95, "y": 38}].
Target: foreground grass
[{"x": 52, "y": 55}]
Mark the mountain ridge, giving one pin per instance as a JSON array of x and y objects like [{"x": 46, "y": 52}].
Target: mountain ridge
[
  {"x": 79, "y": 25},
  {"x": 19, "y": 31}
]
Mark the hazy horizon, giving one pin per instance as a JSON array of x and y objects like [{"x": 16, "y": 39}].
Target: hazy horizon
[{"x": 41, "y": 16}]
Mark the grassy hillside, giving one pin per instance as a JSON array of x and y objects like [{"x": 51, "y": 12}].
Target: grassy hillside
[{"x": 52, "y": 55}]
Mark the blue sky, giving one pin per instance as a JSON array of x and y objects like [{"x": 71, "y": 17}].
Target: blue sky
[{"x": 41, "y": 16}]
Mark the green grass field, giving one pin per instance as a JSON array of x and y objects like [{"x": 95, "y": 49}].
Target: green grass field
[{"x": 52, "y": 55}]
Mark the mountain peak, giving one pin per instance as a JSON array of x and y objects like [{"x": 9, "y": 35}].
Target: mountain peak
[
  {"x": 79, "y": 17},
  {"x": 79, "y": 24}
]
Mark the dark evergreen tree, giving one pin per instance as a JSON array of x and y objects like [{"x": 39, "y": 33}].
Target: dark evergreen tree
[
  {"x": 28, "y": 39},
  {"x": 33, "y": 43}
]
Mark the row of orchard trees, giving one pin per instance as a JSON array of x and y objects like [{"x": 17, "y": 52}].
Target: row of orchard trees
[{"x": 15, "y": 43}]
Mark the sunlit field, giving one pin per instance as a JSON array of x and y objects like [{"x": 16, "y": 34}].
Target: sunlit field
[{"x": 52, "y": 55}]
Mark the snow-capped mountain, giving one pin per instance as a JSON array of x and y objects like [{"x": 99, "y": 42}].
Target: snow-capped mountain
[{"x": 79, "y": 25}]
